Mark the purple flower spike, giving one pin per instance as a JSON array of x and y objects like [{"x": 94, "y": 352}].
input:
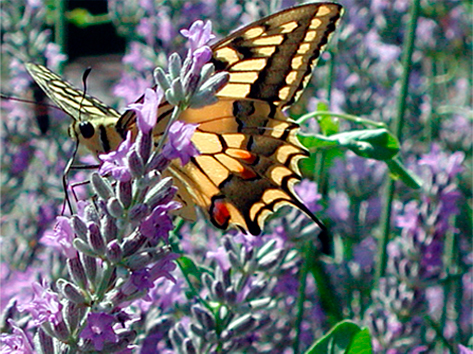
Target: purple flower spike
[
  {"x": 18, "y": 342},
  {"x": 179, "y": 145},
  {"x": 199, "y": 34},
  {"x": 116, "y": 162},
  {"x": 147, "y": 111},
  {"x": 61, "y": 238},
  {"x": 45, "y": 307},
  {"x": 157, "y": 225},
  {"x": 99, "y": 329}
]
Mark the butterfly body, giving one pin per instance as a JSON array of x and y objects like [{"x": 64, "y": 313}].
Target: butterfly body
[{"x": 249, "y": 151}]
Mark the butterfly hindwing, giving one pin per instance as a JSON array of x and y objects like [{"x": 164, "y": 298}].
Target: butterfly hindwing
[{"x": 248, "y": 162}]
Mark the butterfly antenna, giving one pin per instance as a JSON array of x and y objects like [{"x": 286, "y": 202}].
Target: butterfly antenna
[
  {"x": 70, "y": 163},
  {"x": 84, "y": 84}
]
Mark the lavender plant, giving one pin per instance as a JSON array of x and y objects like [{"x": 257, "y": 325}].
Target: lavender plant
[{"x": 137, "y": 281}]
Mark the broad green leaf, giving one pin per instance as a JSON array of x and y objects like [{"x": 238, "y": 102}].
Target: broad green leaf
[
  {"x": 399, "y": 172},
  {"x": 378, "y": 144},
  {"x": 361, "y": 343},
  {"x": 340, "y": 339}
]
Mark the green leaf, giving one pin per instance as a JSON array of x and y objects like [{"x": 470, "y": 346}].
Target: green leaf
[
  {"x": 399, "y": 172},
  {"x": 189, "y": 267},
  {"x": 361, "y": 343},
  {"x": 80, "y": 17},
  {"x": 328, "y": 125},
  {"x": 378, "y": 144},
  {"x": 345, "y": 338}
]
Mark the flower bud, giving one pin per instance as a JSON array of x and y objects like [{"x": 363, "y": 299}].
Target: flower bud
[
  {"x": 161, "y": 79},
  {"x": 71, "y": 292},
  {"x": 217, "y": 290},
  {"x": 205, "y": 318},
  {"x": 124, "y": 193},
  {"x": 230, "y": 295},
  {"x": 175, "y": 65},
  {"x": 138, "y": 212},
  {"x": 80, "y": 228},
  {"x": 76, "y": 270},
  {"x": 45, "y": 342},
  {"x": 109, "y": 229},
  {"x": 242, "y": 324},
  {"x": 101, "y": 186},
  {"x": 114, "y": 252},
  {"x": 136, "y": 164},
  {"x": 188, "y": 346},
  {"x": 114, "y": 207},
  {"x": 95, "y": 238},
  {"x": 145, "y": 145}
]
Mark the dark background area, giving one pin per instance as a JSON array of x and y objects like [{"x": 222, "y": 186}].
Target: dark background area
[{"x": 93, "y": 40}]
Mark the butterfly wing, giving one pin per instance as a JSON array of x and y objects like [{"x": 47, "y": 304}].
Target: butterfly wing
[
  {"x": 272, "y": 59},
  {"x": 248, "y": 162},
  {"x": 94, "y": 123},
  {"x": 249, "y": 149}
]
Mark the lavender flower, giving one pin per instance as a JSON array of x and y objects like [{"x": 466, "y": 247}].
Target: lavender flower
[
  {"x": 99, "y": 329},
  {"x": 180, "y": 145},
  {"x": 45, "y": 306},
  {"x": 147, "y": 111},
  {"x": 17, "y": 342},
  {"x": 116, "y": 162}
]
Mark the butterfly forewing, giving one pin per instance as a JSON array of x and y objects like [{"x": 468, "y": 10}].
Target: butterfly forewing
[
  {"x": 67, "y": 97},
  {"x": 272, "y": 59},
  {"x": 94, "y": 122}
]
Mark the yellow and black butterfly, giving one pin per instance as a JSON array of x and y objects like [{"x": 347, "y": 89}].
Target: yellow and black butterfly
[{"x": 249, "y": 150}]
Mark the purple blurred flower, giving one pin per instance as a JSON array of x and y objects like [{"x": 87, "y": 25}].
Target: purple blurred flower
[
  {"x": 148, "y": 110},
  {"x": 136, "y": 59},
  {"x": 21, "y": 159},
  {"x": 307, "y": 191},
  {"x": 17, "y": 342},
  {"x": 158, "y": 224},
  {"x": 339, "y": 207},
  {"x": 61, "y": 237},
  {"x": 130, "y": 88},
  {"x": 16, "y": 285},
  {"x": 45, "y": 306},
  {"x": 464, "y": 350},
  {"x": 199, "y": 34},
  {"x": 53, "y": 55},
  {"x": 180, "y": 145},
  {"x": 116, "y": 162},
  {"x": 221, "y": 257},
  {"x": 99, "y": 329}
]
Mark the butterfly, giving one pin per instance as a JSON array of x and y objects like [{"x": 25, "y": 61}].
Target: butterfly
[{"x": 249, "y": 151}]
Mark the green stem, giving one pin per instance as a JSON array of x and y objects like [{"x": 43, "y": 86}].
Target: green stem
[
  {"x": 192, "y": 288},
  {"x": 398, "y": 124},
  {"x": 348, "y": 117},
  {"x": 60, "y": 25}
]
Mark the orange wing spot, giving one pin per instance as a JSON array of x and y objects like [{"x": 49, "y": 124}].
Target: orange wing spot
[
  {"x": 220, "y": 213},
  {"x": 247, "y": 173},
  {"x": 243, "y": 155}
]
